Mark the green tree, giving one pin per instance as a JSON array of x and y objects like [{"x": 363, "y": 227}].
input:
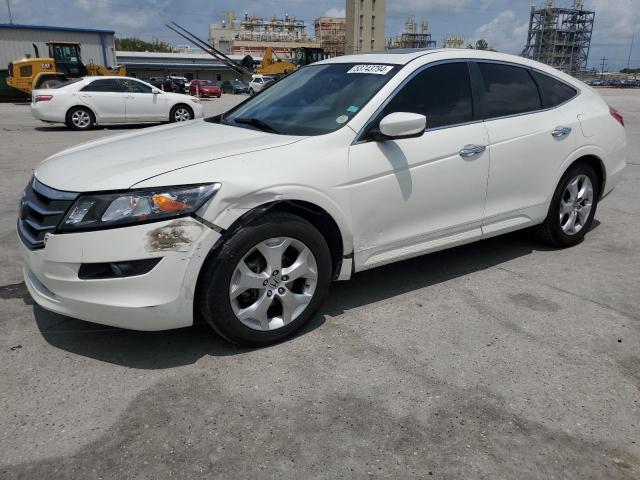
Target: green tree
[
  {"x": 134, "y": 44},
  {"x": 481, "y": 45}
]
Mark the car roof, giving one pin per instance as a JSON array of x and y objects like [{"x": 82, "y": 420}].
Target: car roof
[{"x": 405, "y": 56}]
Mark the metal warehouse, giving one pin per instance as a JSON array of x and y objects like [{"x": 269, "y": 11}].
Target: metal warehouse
[
  {"x": 190, "y": 65},
  {"x": 17, "y": 41}
]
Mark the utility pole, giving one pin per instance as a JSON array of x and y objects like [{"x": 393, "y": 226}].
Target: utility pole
[
  {"x": 9, "y": 8},
  {"x": 603, "y": 59},
  {"x": 633, "y": 37}
]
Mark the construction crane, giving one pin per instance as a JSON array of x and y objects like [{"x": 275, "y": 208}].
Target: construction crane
[
  {"x": 301, "y": 56},
  {"x": 245, "y": 67}
]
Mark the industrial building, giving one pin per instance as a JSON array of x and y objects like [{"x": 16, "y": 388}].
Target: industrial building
[
  {"x": 412, "y": 37},
  {"x": 560, "y": 37},
  {"x": 330, "y": 33},
  {"x": 453, "y": 41},
  {"x": 18, "y": 41},
  {"x": 190, "y": 65},
  {"x": 365, "y": 25},
  {"x": 252, "y": 35}
]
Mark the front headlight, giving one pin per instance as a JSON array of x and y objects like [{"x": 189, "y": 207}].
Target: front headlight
[{"x": 96, "y": 211}]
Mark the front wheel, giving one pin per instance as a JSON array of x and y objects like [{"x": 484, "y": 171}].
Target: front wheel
[
  {"x": 572, "y": 208},
  {"x": 181, "y": 113},
  {"x": 266, "y": 281}
]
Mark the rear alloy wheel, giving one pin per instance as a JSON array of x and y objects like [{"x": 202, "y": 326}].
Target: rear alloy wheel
[
  {"x": 266, "y": 281},
  {"x": 181, "y": 113},
  {"x": 80, "y": 118},
  {"x": 572, "y": 208}
]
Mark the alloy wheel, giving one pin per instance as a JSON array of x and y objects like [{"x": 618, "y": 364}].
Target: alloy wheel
[
  {"x": 81, "y": 119},
  {"x": 576, "y": 204},
  {"x": 273, "y": 283},
  {"x": 182, "y": 115}
]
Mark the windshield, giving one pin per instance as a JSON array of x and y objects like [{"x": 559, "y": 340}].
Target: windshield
[
  {"x": 313, "y": 100},
  {"x": 204, "y": 82}
]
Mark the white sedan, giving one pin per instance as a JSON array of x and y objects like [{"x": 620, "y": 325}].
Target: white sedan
[
  {"x": 89, "y": 101},
  {"x": 347, "y": 164}
]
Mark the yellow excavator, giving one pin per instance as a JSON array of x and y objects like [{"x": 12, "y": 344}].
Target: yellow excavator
[{"x": 63, "y": 63}]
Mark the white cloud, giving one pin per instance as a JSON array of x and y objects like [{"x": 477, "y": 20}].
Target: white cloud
[
  {"x": 335, "y": 12},
  {"x": 416, "y": 7},
  {"x": 505, "y": 33}
]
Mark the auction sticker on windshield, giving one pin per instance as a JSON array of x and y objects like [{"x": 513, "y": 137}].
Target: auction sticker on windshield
[{"x": 375, "y": 69}]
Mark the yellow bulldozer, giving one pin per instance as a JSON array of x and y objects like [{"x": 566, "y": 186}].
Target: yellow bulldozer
[{"x": 63, "y": 63}]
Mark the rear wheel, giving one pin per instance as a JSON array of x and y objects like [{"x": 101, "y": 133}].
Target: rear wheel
[
  {"x": 266, "y": 281},
  {"x": 572, "y": 208},
  {"x": 181, "y": 113},
  {"x": 80, "y": 118}
]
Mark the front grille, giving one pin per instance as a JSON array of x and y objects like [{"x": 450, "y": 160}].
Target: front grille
[{"x": 41, "y": 211}]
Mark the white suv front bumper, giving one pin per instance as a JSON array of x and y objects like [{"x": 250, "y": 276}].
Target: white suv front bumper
[{"x": 158, "y": 300}]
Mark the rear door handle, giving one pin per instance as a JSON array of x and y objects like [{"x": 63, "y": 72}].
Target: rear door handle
[
  {"x": 560, "y": 132},
  {"x": 471, "y": 150}
]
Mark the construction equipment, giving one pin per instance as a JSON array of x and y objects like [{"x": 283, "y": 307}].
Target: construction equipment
[
  {"x": 63, "y": 63},
  {"x": 244, "y": 68},
  {"x": 300, "y": 56}
]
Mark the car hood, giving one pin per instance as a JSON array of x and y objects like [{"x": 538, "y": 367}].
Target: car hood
[{"x": 121, "y": 161}]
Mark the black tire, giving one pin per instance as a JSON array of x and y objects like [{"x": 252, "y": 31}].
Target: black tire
[
  {"x": 213, "y": 300},
  {"x": 77, "y": 118},
  {"x": 172, "y": 114},
  {"x": 550, "y": 231},
  {"x": 251, "y": 92}
]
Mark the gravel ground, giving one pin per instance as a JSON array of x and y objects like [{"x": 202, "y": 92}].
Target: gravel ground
[{"x": 499, "y": 360}]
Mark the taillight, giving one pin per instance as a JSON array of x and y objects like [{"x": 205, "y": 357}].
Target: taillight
[
  {"x": 615, "y": 114},
  {"x": 43, "y": 98}
]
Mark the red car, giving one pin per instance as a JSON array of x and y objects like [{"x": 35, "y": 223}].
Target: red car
[{"x": 204, "y": 88}]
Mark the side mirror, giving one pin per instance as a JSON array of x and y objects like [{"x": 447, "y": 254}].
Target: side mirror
[
  {"x": 156, "y": 91},
  {"x": 400, "y": 125}
]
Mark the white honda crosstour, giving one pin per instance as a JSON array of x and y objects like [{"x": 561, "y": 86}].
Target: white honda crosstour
[{"x": 346, "y": 164}]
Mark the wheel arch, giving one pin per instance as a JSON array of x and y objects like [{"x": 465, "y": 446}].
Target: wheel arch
[
  {"x": 319, "y": 217},
  {"x": 598, "y": 166},
  {"x": 181, "y": 104},
  {"x": 592, "y": 156},
  {"x": 80, "y": 105}
]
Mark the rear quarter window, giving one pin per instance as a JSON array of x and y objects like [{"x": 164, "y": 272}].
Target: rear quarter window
[
  {"x": 553, "y": 92},
  {"x": 509, "y": 90}
]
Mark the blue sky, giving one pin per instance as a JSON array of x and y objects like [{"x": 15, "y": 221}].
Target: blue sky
[{"x": 503, "y": 23}]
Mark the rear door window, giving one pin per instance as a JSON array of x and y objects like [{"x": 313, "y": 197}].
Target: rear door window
[
  {"x": 508, "y": 90},
  {"x": 442, "y": 93},
  {"x": 553, "y": 92},
  {"x": 104, "y": 85}
]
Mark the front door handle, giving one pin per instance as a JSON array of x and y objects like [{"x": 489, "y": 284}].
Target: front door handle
[
  {"x": 471, "y": 150},
  {"x": 560, "y": 132}
]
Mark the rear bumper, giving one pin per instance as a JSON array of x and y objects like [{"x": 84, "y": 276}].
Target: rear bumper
[
  {"x": 45, "y": 115},
  {"x": 158, "y": 300}
]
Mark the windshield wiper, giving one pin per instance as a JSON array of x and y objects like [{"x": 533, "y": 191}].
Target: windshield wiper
[{"x": 265, "y": 127}]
